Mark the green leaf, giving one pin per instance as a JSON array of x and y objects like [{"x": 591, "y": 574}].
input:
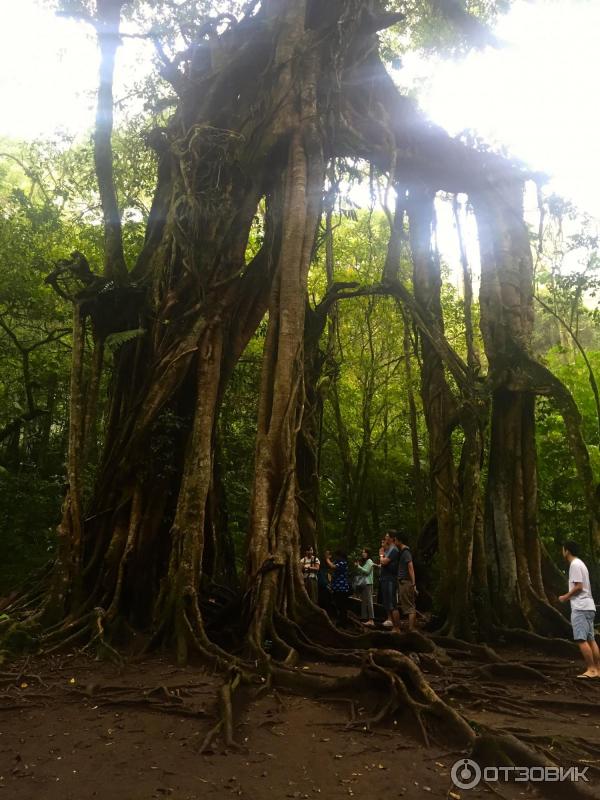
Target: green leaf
[{"x": 118, "y": 339}]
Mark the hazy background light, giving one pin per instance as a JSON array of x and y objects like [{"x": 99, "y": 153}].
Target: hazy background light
[
  {"x": 537, "y": 96},
  {"x": 49, "y": 71}
]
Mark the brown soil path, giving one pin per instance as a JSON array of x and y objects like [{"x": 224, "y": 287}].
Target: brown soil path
[{"x": 76, "y": 729}]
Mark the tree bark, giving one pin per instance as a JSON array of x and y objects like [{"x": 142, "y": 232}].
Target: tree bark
[
  {"x": 413, "y": 421},
  {"x": 438, "y": 403},
  {"x": 506, "y": 303}
]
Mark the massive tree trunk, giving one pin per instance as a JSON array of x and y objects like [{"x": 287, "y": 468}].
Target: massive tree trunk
[
  {"x": 274, "y": 522},
  {"x": 506, "y": 303}
]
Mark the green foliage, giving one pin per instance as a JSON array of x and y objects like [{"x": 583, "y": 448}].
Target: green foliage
[
  {"x": 50, "y": 207},
  {"x": 29, "y": 507},
  {"x": 118, "y": 339},
  {"x": 450, "y": 27},
  {"x": 568, "y": 280},
  {"x": 237, "y": 435}
]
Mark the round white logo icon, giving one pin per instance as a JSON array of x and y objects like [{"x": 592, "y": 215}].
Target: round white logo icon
[{"x": 465, "y": 773}]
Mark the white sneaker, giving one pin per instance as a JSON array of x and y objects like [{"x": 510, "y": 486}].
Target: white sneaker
[{"x": 388, "y": 624}]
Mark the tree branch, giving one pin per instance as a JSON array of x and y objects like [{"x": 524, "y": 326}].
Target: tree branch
[
  {"x": 107, "y": 31},
  {"x": 591, "y": 376}
]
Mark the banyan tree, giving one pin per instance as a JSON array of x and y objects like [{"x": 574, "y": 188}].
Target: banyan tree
[{"x": 265, "y": 104}]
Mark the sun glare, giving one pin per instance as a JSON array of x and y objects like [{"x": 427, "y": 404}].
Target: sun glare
[{"x": 535, "y": 96}]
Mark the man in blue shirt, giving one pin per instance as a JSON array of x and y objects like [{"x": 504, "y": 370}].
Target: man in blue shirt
[{"x": 388, "y": 579}]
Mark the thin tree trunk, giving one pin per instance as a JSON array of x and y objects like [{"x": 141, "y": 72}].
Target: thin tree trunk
[
  {"x": 438, "y": 403},
  {"x": 473, "y": 360},
  {"x": 414, "y": 426},
  {"x": 107, "y": 28},
  {"x": 66, "y": 584}
]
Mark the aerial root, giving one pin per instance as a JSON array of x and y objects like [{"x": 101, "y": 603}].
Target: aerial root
[
  {"x": 286, "y": 652},
  {"x": 99, "y": 639},
  {"x": 225, "y": 723}
]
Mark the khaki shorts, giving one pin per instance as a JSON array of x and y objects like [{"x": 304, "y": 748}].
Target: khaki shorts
[{"x": 406, "y": 597}]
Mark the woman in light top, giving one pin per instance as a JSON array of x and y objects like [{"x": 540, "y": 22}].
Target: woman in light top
[{"x": 365, "y": 587}]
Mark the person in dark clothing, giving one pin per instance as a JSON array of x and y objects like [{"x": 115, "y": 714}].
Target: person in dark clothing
[
  {"x": 407, "y": 588},
  {"x": 340, "y": 587},
  {"x": 388, "y": 578},
  {"x": 379, "y": 598},
  {"x": 323, "y": 582}
]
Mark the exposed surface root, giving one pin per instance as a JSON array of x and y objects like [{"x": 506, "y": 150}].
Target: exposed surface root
[
  {"x": 228, "y": 694},
  {"x": 395, "y": 688},
  {"x": 480, "y": 652},
  {"x": 382, "y": 675},
  {"x": 504, "y": 749},
  {"x": 514, "y": 671},
  {"x": 555, "y": 647}
]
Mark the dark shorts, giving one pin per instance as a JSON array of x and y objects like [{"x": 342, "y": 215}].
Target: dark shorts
[
  {"x": 388, "y": 593},
  {"x": 406, "y": 597},
  {"x": 583, "y": 625}
]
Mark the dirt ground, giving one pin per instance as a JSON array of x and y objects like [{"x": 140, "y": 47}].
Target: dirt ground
[{"x": 75, "y": 729}]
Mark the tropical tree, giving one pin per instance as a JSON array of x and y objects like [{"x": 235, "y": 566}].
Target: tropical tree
[{"x": 268, "y": 95}]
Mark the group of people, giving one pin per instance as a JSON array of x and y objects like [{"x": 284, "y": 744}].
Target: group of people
[{"x": 328, "y": 582}]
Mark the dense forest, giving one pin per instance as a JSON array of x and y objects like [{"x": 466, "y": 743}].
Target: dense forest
[{"x": 227, "y": 332}]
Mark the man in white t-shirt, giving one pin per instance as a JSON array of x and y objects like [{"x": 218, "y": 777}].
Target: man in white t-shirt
[{"x": 583, "y": 610}]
